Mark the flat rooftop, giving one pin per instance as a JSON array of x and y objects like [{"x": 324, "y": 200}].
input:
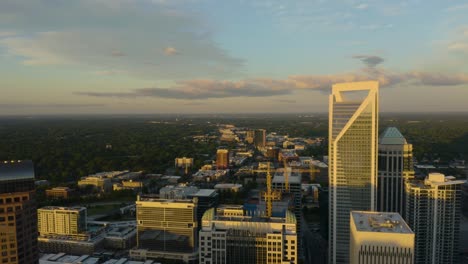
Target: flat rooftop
[
  {"x": 16, "y": 170},
  {"x": 380, "y": 222},
  {"x": 205, "y": 193}
]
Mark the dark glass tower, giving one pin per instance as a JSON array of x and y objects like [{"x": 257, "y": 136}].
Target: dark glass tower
[{"x": 18, "y": 215}]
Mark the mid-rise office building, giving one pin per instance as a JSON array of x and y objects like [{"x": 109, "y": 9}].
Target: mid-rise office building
[
  {"x": 380, "y": 237},
  {"x": 353, "y": 132},
  {"x": 395, "y": 166},
  {"x": 166, "y": 228},
  {"x": 229, "y": 235},
  {"x": 69, "y": 221},
  {"x": 18, "y": 217},
  {"x": 59, "y": 193},
  {"x": 259, "y": 138},
  {"x": 433, "y": 211},
  {"x": 222, "y": 159}
]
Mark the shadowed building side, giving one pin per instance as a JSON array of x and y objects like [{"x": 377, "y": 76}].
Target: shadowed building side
[{"x": 395, "y": 165}]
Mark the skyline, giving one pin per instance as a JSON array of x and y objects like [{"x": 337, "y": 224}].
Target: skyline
[{"x": 202, "y": 56}]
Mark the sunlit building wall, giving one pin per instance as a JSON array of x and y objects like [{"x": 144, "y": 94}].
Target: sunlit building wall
[
  {"x": 353, "y": 132},
  {"x": 61, "y": 220},
  {"x": 380, "y": 237},
  {"x": 166, "y": 228},
  {"x": 433, "y": 211}
]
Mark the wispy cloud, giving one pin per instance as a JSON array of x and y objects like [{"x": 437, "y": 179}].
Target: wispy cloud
[
  {"x": 169, "y": 51},
  {"x": 361, "y": 6},
  {"x": 266, "y": 87},
  {"x": 369, "y": 60},
  {"x": 23, "y": 105},
  {"x": 140, "y": 46}
]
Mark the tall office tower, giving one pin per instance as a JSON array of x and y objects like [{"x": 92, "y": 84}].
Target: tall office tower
[
  {"x": 380, "y": 237},
  {"x": 222, "y": 159},
  {"x": 249, "y": 137},
  {"x": 166, "y": 228},
  {"x": 260, "y": 138},
  {"x": 395, "y": 166},
  {"x": 18, "y": 218},
  {"x": 53, "y": 220},
  {"x": 353, "y": 125},
  {"x": 433, "y": 211},
  {"x": 230, "y": 236}
]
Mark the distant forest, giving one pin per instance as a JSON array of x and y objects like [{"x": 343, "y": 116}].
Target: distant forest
[{"x": 67, "y": 148}]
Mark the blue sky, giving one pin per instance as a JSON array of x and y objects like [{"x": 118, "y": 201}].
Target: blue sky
[{"x": 202, "y": 56}]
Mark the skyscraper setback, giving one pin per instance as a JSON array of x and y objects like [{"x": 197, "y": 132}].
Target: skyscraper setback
[
  {"x": 353, "y": 130},
  {"x": 18, "y": 217},
  {"x": 395, "y": 166}
]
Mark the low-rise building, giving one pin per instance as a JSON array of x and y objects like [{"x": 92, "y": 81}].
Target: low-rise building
[
  {"x": 60, "y": 193},
  {"x": 99, "y": 183},
  {"x": 228, "y": 187}
]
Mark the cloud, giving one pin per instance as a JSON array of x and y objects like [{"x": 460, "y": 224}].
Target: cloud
[
  {"x": 109, "y": 72},
  {"x": 94, "y": 33},
  {"x": 4, "y": 34},
  {"x": 266, "y": 87},
  {"x": 22, "y": 105},
  {"x": 169, "y": 51},
  {"x": 116, "y": 53},
  {"x": 369, "y": 60},
  {"x": 362, "y": 6}
]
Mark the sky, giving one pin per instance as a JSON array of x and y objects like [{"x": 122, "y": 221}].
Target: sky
[{"x": 233, "y": 56}]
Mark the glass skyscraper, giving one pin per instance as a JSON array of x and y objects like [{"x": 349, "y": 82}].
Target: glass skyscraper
[{"x": 353, "y": 132}]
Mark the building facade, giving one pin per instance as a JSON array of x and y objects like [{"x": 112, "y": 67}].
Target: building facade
[
  {"x": 353, "y": 132},
  {"x": 380, "y": 237},
  {"x": 433, "y": 211},
  {"x": 222, "y": 159},
  {"x": 53, "y": 220},
  {"x": 259, "y": 138},
  {"x": 166, "y": 228},
  {"x": 395, "y": 167},
  {"x": 18, "y": 217},
  {"x": 59, "y": 193},
  {"x": 229, "y": 235}
]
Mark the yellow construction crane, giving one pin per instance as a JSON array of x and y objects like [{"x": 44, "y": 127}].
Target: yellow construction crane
[
  {"x": 311, "y": 170},
  {"x": 269, "y": 195}
]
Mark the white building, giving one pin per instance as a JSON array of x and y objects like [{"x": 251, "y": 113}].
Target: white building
[
  {"x": 353, "y": 131},
  {"x": 380, "y": 237},
  {"x": 229, "y": 235},
  {"x": 433, "y": 211}
]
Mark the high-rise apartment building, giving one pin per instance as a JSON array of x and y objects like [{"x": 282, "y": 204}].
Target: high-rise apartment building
[
  {"x": 353, "y": 132},
  {"x": 395, "y": 166},
  {"x": 433, "y": 211},
  {"x": 222, "y": 159},
  {"x": 167, "y": 228},
  {"x": 229, "y": 235},
  {"x": 69, "y": 221},
  {"x": 380, "y": 237},
  {"x": 18, "y": 218},
  {"x": 260, "y": 138}
]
